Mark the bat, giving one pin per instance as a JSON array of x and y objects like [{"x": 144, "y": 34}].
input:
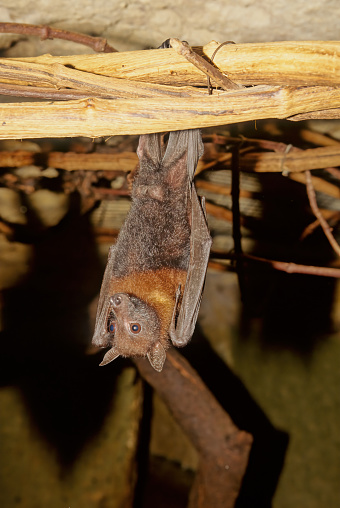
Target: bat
[{"x": 154, "y": 277}]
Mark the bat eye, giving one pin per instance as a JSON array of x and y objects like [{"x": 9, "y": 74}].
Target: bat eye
[
  {"x": 111, "y": 326},
  {"x": 135, "y": 327}
]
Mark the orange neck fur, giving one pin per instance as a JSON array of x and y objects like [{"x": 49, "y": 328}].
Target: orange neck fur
[{"x": 156, "y": 288}]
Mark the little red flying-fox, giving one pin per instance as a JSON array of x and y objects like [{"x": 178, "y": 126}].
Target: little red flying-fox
[{"x": 154, "y": 277}]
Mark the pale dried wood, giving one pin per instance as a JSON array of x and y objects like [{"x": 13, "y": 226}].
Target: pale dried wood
[
  {"x": 294, "y": 161},
  {"x": 97, "y": 117},
  {"x": 259, "y": 162},
  {"x": 71, "y": 161},
  {"x": 59, "y": 76},
  {"x": 276, "y": 63},
  {"x": 317, "y": 138},
  {"x": 183, "y": 48},
  {"x": 38, "y": 92},
  {"x": 322, "y": 114},
  {"x": 291, "y": 62},
  {"x": 127, "y": 161}
]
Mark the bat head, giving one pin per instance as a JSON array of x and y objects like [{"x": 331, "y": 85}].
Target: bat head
[{"x": 133, "y": 329}]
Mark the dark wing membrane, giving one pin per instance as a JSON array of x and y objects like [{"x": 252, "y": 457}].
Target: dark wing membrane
[
  {"x": 186, "y": 143},
  {"x": 200, "y": 240},
  {"x": 200, "y": 243},
  {"x": 101, "y": 334},
  {"x": 149, "y": 149}
]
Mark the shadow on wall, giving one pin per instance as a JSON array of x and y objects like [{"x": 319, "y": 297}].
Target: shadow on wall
[
  {"x": 295, "y": 309},
  {"x": 270, "y": 444},
  {"x": 47, "y": 329},
  {"x": 45, "y": 337}
]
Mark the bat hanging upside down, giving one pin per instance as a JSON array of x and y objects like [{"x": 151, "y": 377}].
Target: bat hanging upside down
[{"x": 154, "y": 277}]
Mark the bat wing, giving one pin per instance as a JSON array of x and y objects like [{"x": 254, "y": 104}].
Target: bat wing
[
  {"x": 200, "y": 243},
  {"x": 184, "y": 147},
  {"x": 101, "y": 335}
]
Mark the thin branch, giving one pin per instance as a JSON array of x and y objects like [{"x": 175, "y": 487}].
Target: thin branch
[
  {"x": 329, "y": 215},
  {"x": 208, "y": 69},
  {"x": 283, "y": 266},
  {"x": 318, "y": 214},
  {"x": 334, "y": 172},
  {"x": 98, "y": 44},
  {"x": 212, "y": 60}
]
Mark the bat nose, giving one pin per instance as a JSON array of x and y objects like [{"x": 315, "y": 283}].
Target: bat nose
[{"x": 116, "y": 300}]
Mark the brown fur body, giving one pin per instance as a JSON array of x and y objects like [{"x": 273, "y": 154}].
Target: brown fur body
[{"x": 147, "y": 268}]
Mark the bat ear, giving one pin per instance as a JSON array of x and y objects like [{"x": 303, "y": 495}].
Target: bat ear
[
  {"x": 157, "y": 356},
  {"x": 111, "y": 355}
]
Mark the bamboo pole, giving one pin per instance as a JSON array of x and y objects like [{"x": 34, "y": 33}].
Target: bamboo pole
[{"x": 97, "y": 117}]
